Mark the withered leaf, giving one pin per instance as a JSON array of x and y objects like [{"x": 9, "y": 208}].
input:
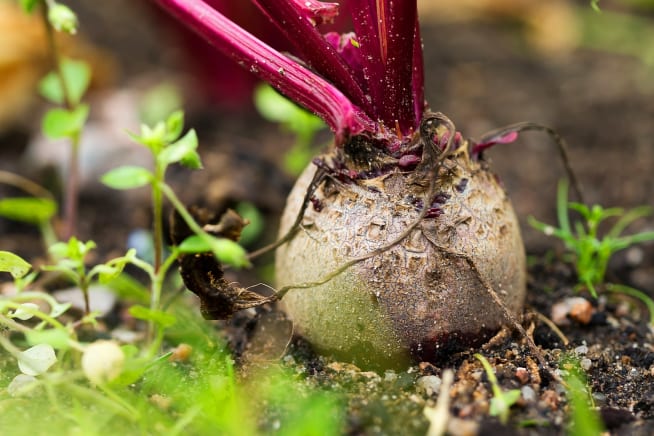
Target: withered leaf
[{"x": 203, "y": 274}]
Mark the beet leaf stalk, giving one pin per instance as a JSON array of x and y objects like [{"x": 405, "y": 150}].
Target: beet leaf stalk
[{"x": 368, "y": 83}]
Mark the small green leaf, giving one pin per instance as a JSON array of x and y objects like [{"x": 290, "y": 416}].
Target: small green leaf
[
  {"x": 25, "y": 311},
  {"x": 37, "y": 359},
  {"x": 62, "y": 18},
  {"x": 28, "y": 5},
  {"x": 22, "y": 384},
  {"x": 159, "y": 317},
  {"x": 297, "y": 158},
  {"x": 230, "y": 253},
  {"x": 273, "y": 106},
  {"x": 59, "y": 309},
  {"x": 174, "y": 125},
  {"x": 76, "y": 249},
  {"x": 129, "y": 289},
  {"x": 71, "y": 253},
  {"x": 77, "y": 75},
  {"x": 500, "y": 405},
  {"x": 159, "y": 102},
  {"x": 179, "y": 150},
  {"x": 32, "y": 210},
  {"x": 61, "y": 123},
  {"x": 112, "y": 269},
  {"x": 225, "y": 250},
  {"x": 59, "y": 250},
  {"x": 256, "y": 222},
  {"x": 192, "y": 161},
  {"x": 105, "y": 272},
  {"x": 13, "y": 264},
  {"x": 58, "y": 339},
  {"x": 595, "y": 5},
  {"x": 152, "y": 137},
  {"x": 194, "y": 244},
  {"x": 127, "y": 177}
]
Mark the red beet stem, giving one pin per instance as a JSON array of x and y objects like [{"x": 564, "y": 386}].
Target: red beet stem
[
  {"x": 387, "y": 31},
  {"x": 297, "y": 21},
  {"x": 289, "y": 77}
]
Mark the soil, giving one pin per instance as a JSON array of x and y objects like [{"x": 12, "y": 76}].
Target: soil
[
  {"x": 482, "y": 76},
  {"x": 613, "y": 345}
]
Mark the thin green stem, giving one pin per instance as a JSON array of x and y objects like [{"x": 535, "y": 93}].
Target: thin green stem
[
  {"x": 72, "y": 343},
  {"x": 110, "y": 402},
  {"x": 186, "y": 216},
  {"x": 11, "y": 348},
  {"x": 157, "y": 234},
  {"x": 157, "y": 205},
  {"x": 28, "y": 296},
  {"x": 55, "y": 53},
  {"x": 38, "y": 314},
  {"x": 25, "y": 184},
  {"x": 635, "y": 293},
  {"x": 120, "y": 401},
  {"x": 72, "y": 184},
  {"x": 13, "y": 325}
]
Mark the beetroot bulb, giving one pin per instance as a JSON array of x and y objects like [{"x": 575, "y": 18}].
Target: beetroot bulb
[{"x": 400, "y": 243}]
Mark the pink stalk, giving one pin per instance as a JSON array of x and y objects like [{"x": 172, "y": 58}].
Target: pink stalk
[
  {"x": 289, "y": 77},
  {"x": 297, "y": 21},
  {"x": 418, "y": 78},
  {"x": 387, "y": 32}
]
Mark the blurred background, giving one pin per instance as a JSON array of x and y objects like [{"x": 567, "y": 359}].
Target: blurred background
[{"x": 489, "y": 63}]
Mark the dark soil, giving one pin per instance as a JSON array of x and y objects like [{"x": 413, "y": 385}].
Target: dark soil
[
  {"x": 614, "y": 346},
  {"x": 482, "y": 76}
]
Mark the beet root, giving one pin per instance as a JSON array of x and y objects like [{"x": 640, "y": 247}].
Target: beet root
[{"x": 425, "y": 296}]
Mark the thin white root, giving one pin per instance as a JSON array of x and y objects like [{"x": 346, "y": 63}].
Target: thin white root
[{"x": 439, "y": 415}]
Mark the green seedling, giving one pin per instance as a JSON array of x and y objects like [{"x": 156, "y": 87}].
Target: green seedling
[
  {"x": 65, "y": 87},
  {"x": 168, "y": 146},
  {"x": 591, "y": 249},
  {"x": 584, "y": 419},
  {"x": 500, "y": 404},
  {"x": 292, "y": 118},
  {"x": 70, "y": 262},
  {"x": 42, "y": 338},
  {"x": 65, "y": 386}
]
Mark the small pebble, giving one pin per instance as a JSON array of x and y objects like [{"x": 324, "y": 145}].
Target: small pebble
[
  {"x": 575, "y": 308},
  {"x": 528, "y": 393},
  {"x": 522, "y": 375},
  {"x": 634, "y": 256},
  {"x": 599, "y": 398},
  {"x": 551, "y": 399},
  {"x": 429, "y": 384},
  {"x": 586, "y": 363},
  {"x": 390, "y": 376},
  {"x": 582, "y": 349},
  {"x": 181, "y": 353}
]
